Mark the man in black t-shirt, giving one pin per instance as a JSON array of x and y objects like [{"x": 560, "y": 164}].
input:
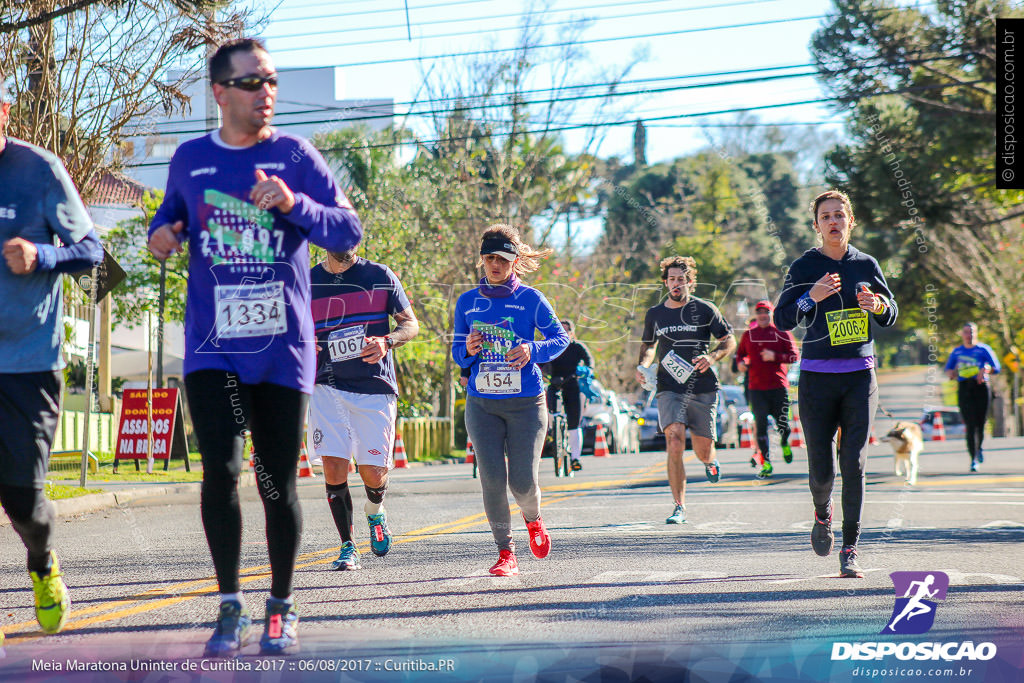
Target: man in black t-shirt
[{"x": 677, "y": 335}]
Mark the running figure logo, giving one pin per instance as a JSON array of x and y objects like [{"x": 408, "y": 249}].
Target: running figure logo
[{"x": 916, "y": 597}]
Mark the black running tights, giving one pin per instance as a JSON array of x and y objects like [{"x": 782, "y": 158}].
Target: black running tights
[{"x": 222, "y": 411}]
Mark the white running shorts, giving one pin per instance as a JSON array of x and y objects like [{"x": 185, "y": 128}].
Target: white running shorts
[{"x": 347, "y": 425}]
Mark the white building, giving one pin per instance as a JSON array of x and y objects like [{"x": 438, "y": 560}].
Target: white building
[{"x": 309, "y": 102}]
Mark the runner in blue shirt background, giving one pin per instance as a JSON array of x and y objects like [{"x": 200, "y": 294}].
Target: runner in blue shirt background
[{"x": 971, "y": 364}]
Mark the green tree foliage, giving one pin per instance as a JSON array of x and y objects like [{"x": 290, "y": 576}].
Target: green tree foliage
[
  {"x": 919, "y": 166},
  {"x": 139, "y": 291}
]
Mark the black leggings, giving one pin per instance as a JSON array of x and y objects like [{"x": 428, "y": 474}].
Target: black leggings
[
  {"x": 973, "y": 399},
  {"x": 774, "y": 403},
  {"x": 828, "y": 401},
  {"x": 572, "y": 402},
  {"x": 31, "y": 514},
  {"x": 222, "y": 411}
]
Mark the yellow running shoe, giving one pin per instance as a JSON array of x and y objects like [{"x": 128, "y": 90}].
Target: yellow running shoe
[{"x": 53, "y": 605}]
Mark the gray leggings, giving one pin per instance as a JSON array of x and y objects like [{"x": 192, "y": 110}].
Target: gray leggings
[{"x": 516, "y": 425}]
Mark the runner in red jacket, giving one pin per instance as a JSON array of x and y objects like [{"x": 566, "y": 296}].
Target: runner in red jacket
[{"x": 763, "y": 353}]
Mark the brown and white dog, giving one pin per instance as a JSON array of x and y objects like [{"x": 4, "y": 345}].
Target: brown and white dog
[{"x": 906, "y": 441}]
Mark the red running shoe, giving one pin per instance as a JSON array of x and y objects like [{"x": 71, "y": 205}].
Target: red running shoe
[
  {"x": 540, "y": 541},
  {"x": 506, "y": 564}
]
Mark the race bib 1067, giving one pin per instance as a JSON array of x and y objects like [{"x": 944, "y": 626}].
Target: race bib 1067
[{"x": 346, "y": 344}]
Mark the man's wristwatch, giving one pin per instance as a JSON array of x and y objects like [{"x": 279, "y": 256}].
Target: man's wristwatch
[{"x": 390, "y": 342}]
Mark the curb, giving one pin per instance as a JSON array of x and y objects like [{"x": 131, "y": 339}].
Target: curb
[{"x": 94, "y": 502}]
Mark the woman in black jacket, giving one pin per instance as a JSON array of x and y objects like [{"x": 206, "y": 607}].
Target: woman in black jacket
[{"x": 834, "y": 290}]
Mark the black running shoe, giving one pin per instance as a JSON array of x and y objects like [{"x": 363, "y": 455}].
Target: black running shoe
[
  {"x": 848, "y": 567},
  {"x": 822, "y": 538},
  {"x": 576, "y": 466}
]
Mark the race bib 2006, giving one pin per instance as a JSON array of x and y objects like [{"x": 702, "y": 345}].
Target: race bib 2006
[
  {"x": 250, "y": 310},
  {"x": 346, "y": 344},
  {"x": 498, "y": 378},
  {"x": 848, "y": 326},
  {"x": 677, "y": 367}
]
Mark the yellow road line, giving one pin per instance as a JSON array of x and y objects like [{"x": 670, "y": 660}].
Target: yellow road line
[{"x": 251, "y": 574}]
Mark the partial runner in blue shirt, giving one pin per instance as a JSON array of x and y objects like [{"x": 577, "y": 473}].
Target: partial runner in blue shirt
[
  {"x": 496, "y": 329},
  {"x": 971, "y": 364},
  {"x": 38, "y": 203}
]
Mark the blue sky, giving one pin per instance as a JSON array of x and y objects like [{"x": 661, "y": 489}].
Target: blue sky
[{"x": 297, "y": 27}]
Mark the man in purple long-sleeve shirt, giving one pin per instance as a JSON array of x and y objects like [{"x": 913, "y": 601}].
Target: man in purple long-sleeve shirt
[{"x": 249, "y": 199}]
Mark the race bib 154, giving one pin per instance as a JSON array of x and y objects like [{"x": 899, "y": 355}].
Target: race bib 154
[{"x": 498, "y": 378}]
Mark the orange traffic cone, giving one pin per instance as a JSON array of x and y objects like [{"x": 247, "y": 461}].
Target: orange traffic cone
[
  {"x": 600, "y": 445},
  {"x": 938, "y": 429},
  {"x": 796, "y": 437},
  {"x": 470, "y": 453},
  {"x": 746, "y": 438},
  {"x": 872, "y": 440},
  {"x": 352, "y": 465},
  {"x": 305, "y": 467},
  {"x": 400, "y": 459}
]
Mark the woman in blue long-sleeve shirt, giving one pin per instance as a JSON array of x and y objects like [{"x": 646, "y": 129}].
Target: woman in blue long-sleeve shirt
[{"x": 496, "y": 326}]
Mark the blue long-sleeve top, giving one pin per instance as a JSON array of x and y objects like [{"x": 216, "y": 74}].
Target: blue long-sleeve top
[
  {"x": 73, "y": 257},
  {"x": 508, "y": 321}
]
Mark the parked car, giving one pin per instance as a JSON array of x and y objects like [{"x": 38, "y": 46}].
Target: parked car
[
  {"x": 620, "y": 422},
  {"x": 951, "y": 421},
  {"x": 726, "y": 422}
]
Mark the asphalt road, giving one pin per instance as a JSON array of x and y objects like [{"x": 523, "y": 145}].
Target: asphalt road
[{"x": 740, "y": 572}]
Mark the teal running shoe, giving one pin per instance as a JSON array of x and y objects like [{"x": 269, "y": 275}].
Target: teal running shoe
[
  {"x": 713, "y": 471},
  {"x": 380, "y": 535},
  {"x": 348, "y": 558},
  {"x": 678, "y": 515}
]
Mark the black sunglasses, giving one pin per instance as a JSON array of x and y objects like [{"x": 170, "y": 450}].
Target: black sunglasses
[{"x": 251, "y": 83}]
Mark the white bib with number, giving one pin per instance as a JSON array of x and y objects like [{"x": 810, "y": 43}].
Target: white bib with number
[
  {"x": 346, "y": 344},
  {"x": 498, "y": 378},
  {"x": 677, "y": 367},
  {"x": 250, "y": 310}
]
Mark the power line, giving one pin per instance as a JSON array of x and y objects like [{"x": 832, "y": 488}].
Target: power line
[
  {"x": 565, "y": 43},
  {"x": 639, "y": 36},
  {"x": 472, "y": 2},
  {"x": 520, "y": 15},
  {"x": 524, "y": 103},
  {"x": 573, "y": 87},
  {"x": 632, "y": 120},
  {"x": 564, "y": 88}
]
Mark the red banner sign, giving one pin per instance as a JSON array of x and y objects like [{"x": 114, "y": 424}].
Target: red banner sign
[{"x": 168, "y": 427}]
